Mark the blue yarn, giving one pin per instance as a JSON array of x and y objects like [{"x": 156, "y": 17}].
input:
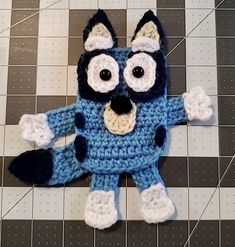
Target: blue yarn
[{"x": 109, "y": 155}]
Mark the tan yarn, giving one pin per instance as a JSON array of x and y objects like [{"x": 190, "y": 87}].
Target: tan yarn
[
  {"x": 119, "y": 124},
  {"x": 100, "y": 30},
  {"x": 149, "y": 30}
]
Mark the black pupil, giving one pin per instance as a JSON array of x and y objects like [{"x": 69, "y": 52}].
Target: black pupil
[
  {"x": 138, "y": 72},
  {"x": 105, "y": 74}
]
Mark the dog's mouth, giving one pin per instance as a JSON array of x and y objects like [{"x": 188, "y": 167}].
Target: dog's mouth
[{"x": 120, "y": 115}]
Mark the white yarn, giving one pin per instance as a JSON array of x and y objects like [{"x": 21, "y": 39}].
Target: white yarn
[
  {"x": 97, "y": 42},
  {"x": 144, "y": 83},
  {"x": 156, "y": 206},
  {"x": 100, "y": 211},
  {"x": 99, "y": 38},
  {"x": 197, "y": 103},
  {"x": 145, "y": 44},
  {"x": 97, "y": 64},
  {"x": 35, "y": 128},
  {"x": 119, "y": 124}
]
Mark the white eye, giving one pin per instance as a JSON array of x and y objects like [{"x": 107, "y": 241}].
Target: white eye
[
  {"x": 103, "y": 73},
  {"x": 140, "y": 72}
]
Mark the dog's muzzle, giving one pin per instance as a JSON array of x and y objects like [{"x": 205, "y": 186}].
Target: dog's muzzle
[{"x": 120, "y": 115}]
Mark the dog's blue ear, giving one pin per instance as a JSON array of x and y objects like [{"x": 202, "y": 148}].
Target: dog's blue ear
[
  {"x": 99, "y": 33},
  {"x": 149, "y": 35}
]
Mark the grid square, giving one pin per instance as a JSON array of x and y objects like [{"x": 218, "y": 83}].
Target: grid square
[
  {"x": 2, "y": 132},
  {"x": 28, "y": 27},
  {"x": 176, "y": 51},
  {"x": 226, "y": 141},
  {"x": 112, "y": 4},
  {"x": 3, "y": 110},
  {"x": 206, "y": 233},
  {"x": 16, "y": 233},
  {"x": 53, "y": 23},
  {"x": 23, "y": 51},
  {"x": 203, "y": 172},
  {"x": 32, "y": 4},
  {"x": 75, "y": 50},
  {"x": 52, "y": 51},
  {"x": 174, "y": 171},
  {"x": 139, "y": 233},
  {"x": 176, "y": 80},
  {"x": 113, "y": 236},
  {"x": 206, "y": 77},
  {"x": 170, "y": 4},
  {"x": 47, "y": 233},
  {"x": 198, "y": 198},
  {"x": 17, "y": 106},
  {"x": 48, "y": 203},
  {"x": 135, "y": 4},
  {"x": 229, "y": 177},
  {"x": 3, "y": 76},
  {"x": 201, "y": 51},
  {"x": 205, "y": 28},
  {"x": 199, "y": 4},
  {"x": 173, "y": 233},
  {"x": 176, "y": 144},
  {"x": 227, "y": 230},
  {"x": 173, "y": 21},
  {"x": 20, "y": 195},
  {"x": 203, "y": 141},
  {"x": 77, "y": 233},
  {"x": 224, "y": 20},
  {"x": 6, "y": 4},
  {"x": 72, "y": 80},
  {"x": 227, "y": 203},
  {"x": 5, "y": 20},
  {"x": 225, "y": 4},
  {"x": 52, "y": 4},
  {"x": 4, "y": 50},
  {"x": 51, "y": 80},
  {"x": 226, "y": 82},
  {"x": 225, "y": 51},
  {"x": 133, "y": 204},
  {"x": 22, "y": 80},
  {"x": 14, "y": 143},
  {"x": 83, "y": 4},
  {"x": 179, "y": 196},
  {"x": 74, "y": 205},
  {"x": 226, "y": 106}
]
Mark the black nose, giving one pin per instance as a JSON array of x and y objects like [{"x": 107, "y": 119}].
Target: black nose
[{"x": 121, "y": 104}]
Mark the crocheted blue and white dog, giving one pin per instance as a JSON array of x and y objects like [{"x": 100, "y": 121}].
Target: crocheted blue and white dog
[{"x": 120, "y": 119}]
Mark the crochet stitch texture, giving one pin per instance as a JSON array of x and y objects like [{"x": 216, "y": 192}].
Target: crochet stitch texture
[{"x": 129, "y": 137}]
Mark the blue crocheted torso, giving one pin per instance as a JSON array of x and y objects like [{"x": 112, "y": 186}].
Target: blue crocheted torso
[{"x": 108, "y": 152}]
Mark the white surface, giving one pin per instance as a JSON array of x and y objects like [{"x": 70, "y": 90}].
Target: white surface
[
  {"x": 5, "y": 20},
  {"x": 51, "y": 80},
  {"x": 53, "y": 23},
  {"x": 206, "y": 77},
  {"x": 14, "y": 143},
  {"x": 5, "y": 4},
  {"x": 176, "y": 144},
  {"x": 52, "y": 51},
  {"x": 48, "y": 203},
  {"x": 201, "y": 51},
  {"x": 63, "y": 4},
  {"x": 72, "y": 80},
  {"x": 21, "y": 210},
  {"x": 3, "y": 109},
  {"x": 2, "y": 131},
  {"x": 198, "y": 198},
  {"x": 4, "y": 50},
  {"x": 227, "y": 203},
  {"x": 141, "y": 4},
  {"x": 3, "y": 76},
  {"x": 203, "y": 141},
  {"x": 112, "y": 4},
  {"x": 200, "y": 4},
  {"x": 83, "y": 4}
]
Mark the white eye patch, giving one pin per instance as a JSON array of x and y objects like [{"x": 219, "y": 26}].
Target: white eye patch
[
  {"x": 140, "y": 72},
  {"x": 103, "y": 73}
]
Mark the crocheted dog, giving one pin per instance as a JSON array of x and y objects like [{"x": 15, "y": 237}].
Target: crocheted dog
[{"x": 120, "y": 119}]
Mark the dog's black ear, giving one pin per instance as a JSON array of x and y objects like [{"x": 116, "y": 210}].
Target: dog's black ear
[
  {"x": 149, "y": 35},
  {"x": 99, "y": 33}
]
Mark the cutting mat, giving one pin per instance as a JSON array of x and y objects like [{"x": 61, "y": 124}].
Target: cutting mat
[{"x": 38, "y": 57}]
